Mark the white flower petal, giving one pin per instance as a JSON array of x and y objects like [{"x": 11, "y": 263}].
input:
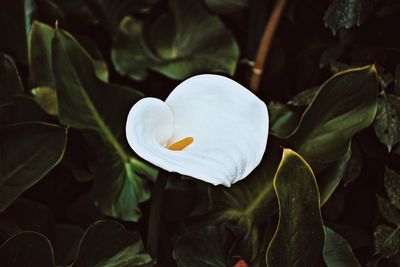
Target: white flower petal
[{"x": 228, "y": 123}]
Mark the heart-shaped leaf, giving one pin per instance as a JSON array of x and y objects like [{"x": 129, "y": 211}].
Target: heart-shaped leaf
[
  {"x": 86, "y": 102},
  {"x": 184, "y": 42}
]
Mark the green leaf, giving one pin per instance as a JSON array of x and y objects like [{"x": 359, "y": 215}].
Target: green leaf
[
  {"x": 282, "y": 120},
  {"x": 329, "y": 179},
  {"x": 108, "y": 243},
  {"x": 347, "y": 13},
  {"x": 251, "y": 201},
  {"x": 10, "y": 82},
  {"x": 86, "y": 102},
  {"x": 39, "y": 55},
  {"x": 28, "y": 151},
  {"x": 387, "y": 240},
  {"x": 388, "y": 211},
  {"x": 105, "y": 243},
  {"x": 344, "y": 105},
  {"x": 226, "y": 6},
  {"x": 392, "y": 186},
  {"x": 337, "y": 252},
  {"x": 27, "y": 249},
  {"x": 354, "y": 166},
  {"x": 387, "y": 120},
  {"x": 202, "y": 248},
  {"x": 299, "y": 237},
  {"x": 41, "y": 73},
  {"x": 184, "y": 42}
]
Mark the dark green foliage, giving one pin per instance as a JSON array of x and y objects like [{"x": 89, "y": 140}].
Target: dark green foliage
[
  {"x": 71, "y": 70},
  {"x": 299, "y": 236},
  {"x": 185, "y": 41}
]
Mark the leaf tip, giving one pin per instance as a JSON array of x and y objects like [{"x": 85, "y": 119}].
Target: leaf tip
[{"x": 288, "y": 152}]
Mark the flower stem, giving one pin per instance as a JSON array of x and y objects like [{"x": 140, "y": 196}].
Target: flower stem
[
  {"x": 265, "y": 44},
  {"x": 153, "y": 231}
]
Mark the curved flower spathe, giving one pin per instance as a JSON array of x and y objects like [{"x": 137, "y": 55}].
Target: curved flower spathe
[{"x": 209, "y": 127}]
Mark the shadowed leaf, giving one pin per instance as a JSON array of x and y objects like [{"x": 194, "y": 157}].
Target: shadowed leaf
[{"x": 299, "y": 241}]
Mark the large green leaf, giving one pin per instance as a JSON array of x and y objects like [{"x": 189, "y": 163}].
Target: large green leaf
[
  {"x": 202, "y": 248},
  {"x": 108, "y": 243},
  {"x": 186, "y": 41},
  {"x": 10, "y": 82},
  {"x": 299, "y": 237},
  {"x": 86, "y": 102},
  {"x": 252, "y": 201},
  {"x": 337, "y": 252},
  {"x": 387, "y": 121},
  {"x": 28, "y": 151},
  {"x": 27, "y": 249},
  {"x": 344, "y": 105}
]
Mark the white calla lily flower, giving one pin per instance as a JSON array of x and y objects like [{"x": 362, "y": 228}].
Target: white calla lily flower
[{"x": 210, "y": 127}]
